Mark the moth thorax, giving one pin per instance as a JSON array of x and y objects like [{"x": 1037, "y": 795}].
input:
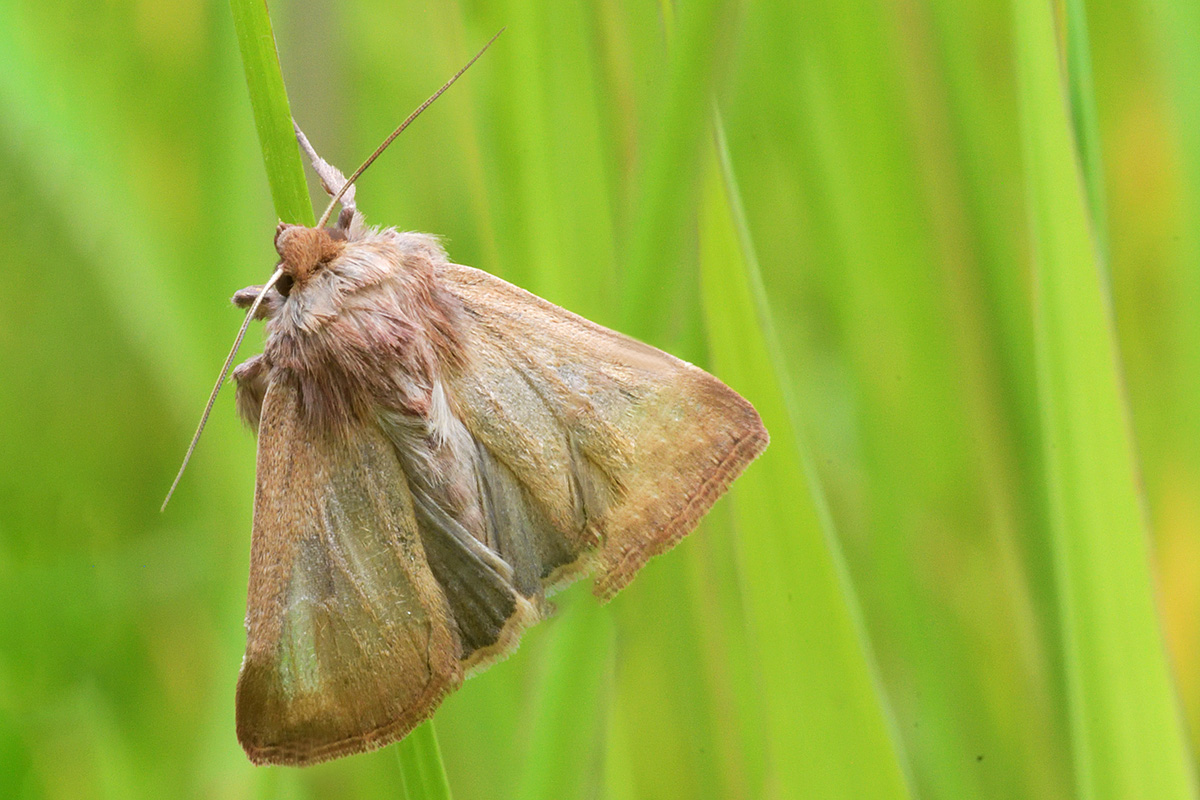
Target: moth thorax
[{"x": 302, "y": 251}]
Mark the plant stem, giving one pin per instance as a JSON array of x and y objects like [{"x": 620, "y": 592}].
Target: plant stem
[
  {"x": 1127, "y": 738},
  {"x": 272, "y": 114},
  {"x": 421, "y": 770}
]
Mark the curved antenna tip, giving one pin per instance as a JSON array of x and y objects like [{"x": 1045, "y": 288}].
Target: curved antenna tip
[
  {"x": 212, "y": 398},
  {"x": 408, "y": 121}
]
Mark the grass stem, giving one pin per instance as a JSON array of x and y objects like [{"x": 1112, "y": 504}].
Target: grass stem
[{"x": 421, "y": 770}]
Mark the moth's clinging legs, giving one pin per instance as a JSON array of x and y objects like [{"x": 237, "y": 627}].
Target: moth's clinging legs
[
  {"x": 244, "y": 298},
  {"x": 251, "y": 377},
  {"x": 332, "y": 179}
]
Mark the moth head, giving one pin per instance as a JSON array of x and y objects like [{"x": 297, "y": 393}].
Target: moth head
[{"x": 305, "y": 251}]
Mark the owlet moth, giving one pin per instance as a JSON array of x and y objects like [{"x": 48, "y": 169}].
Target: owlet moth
[{"x": 438, "y": 450}]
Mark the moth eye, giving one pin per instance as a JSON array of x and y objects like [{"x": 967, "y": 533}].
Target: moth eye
[{"x": 284, "y": 284}]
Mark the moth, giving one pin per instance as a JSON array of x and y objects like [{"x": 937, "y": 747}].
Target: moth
[{"x": 438, "y": 450}]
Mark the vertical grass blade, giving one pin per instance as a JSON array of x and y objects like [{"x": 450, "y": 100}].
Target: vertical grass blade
[
  {"x": 1085, "y": 119},
  {"x": 421, "y": 772},
  {"x": 80, "y": 169},
  {"x": 829, "y": 734},
  {"x": 272, "y": 113},
  {"x": 1176, "y": 26},
  {"x": 564, "y": 752},
  {"x": 699, "y": 37},
  {"x": 1127, "y": 737}
]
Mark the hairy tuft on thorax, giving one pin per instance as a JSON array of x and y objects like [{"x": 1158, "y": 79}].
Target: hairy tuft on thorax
[{"x": 371, "y": 329}]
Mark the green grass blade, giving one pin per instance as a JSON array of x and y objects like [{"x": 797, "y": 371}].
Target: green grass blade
[
  {"x": 80, "y": 168},
  {"x": 272, "y": 114},
  {"x": 828, "y": 732},
  {"x": 1086, "y": 122},
  {"x": 1176, "y": 26},
  {"x": 421, "y": 772},
  {"x": 1127, "y": 738},
  {"x": 669, "y": 171},
  {"x": 567, "y": 719}
]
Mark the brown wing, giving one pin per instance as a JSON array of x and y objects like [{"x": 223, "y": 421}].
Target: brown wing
[
  {"x": 594, "y": 450},
  {"x": 388, "y": 561},
  {"x": 350, "y": 637}
]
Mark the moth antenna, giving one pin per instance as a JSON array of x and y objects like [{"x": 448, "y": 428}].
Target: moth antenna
[
  {"x": 212, "y": 398},
  {"x": 403, "y": 125},
  {"x": 328, "y": 175}
]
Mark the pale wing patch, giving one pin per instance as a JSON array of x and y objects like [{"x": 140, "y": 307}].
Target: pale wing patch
[
  {"x": 524, "y": 536},
  {"x": 505, "y": 412},
  {"x": 487, "y": 602},
  {"x": 299, "y": 667}
]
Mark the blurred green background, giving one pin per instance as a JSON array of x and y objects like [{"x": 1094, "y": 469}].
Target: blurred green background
[{"x": 877, "y": 150}]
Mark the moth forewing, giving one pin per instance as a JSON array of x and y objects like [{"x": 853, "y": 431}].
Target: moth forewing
[{"x": 348, "y": 642}]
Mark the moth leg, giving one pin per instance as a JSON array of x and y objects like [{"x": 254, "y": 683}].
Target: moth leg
[
  {"x": 332, "y": 179},
  {"x": 244, "y": 298},
  {"x": 251, "y": 377}
]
